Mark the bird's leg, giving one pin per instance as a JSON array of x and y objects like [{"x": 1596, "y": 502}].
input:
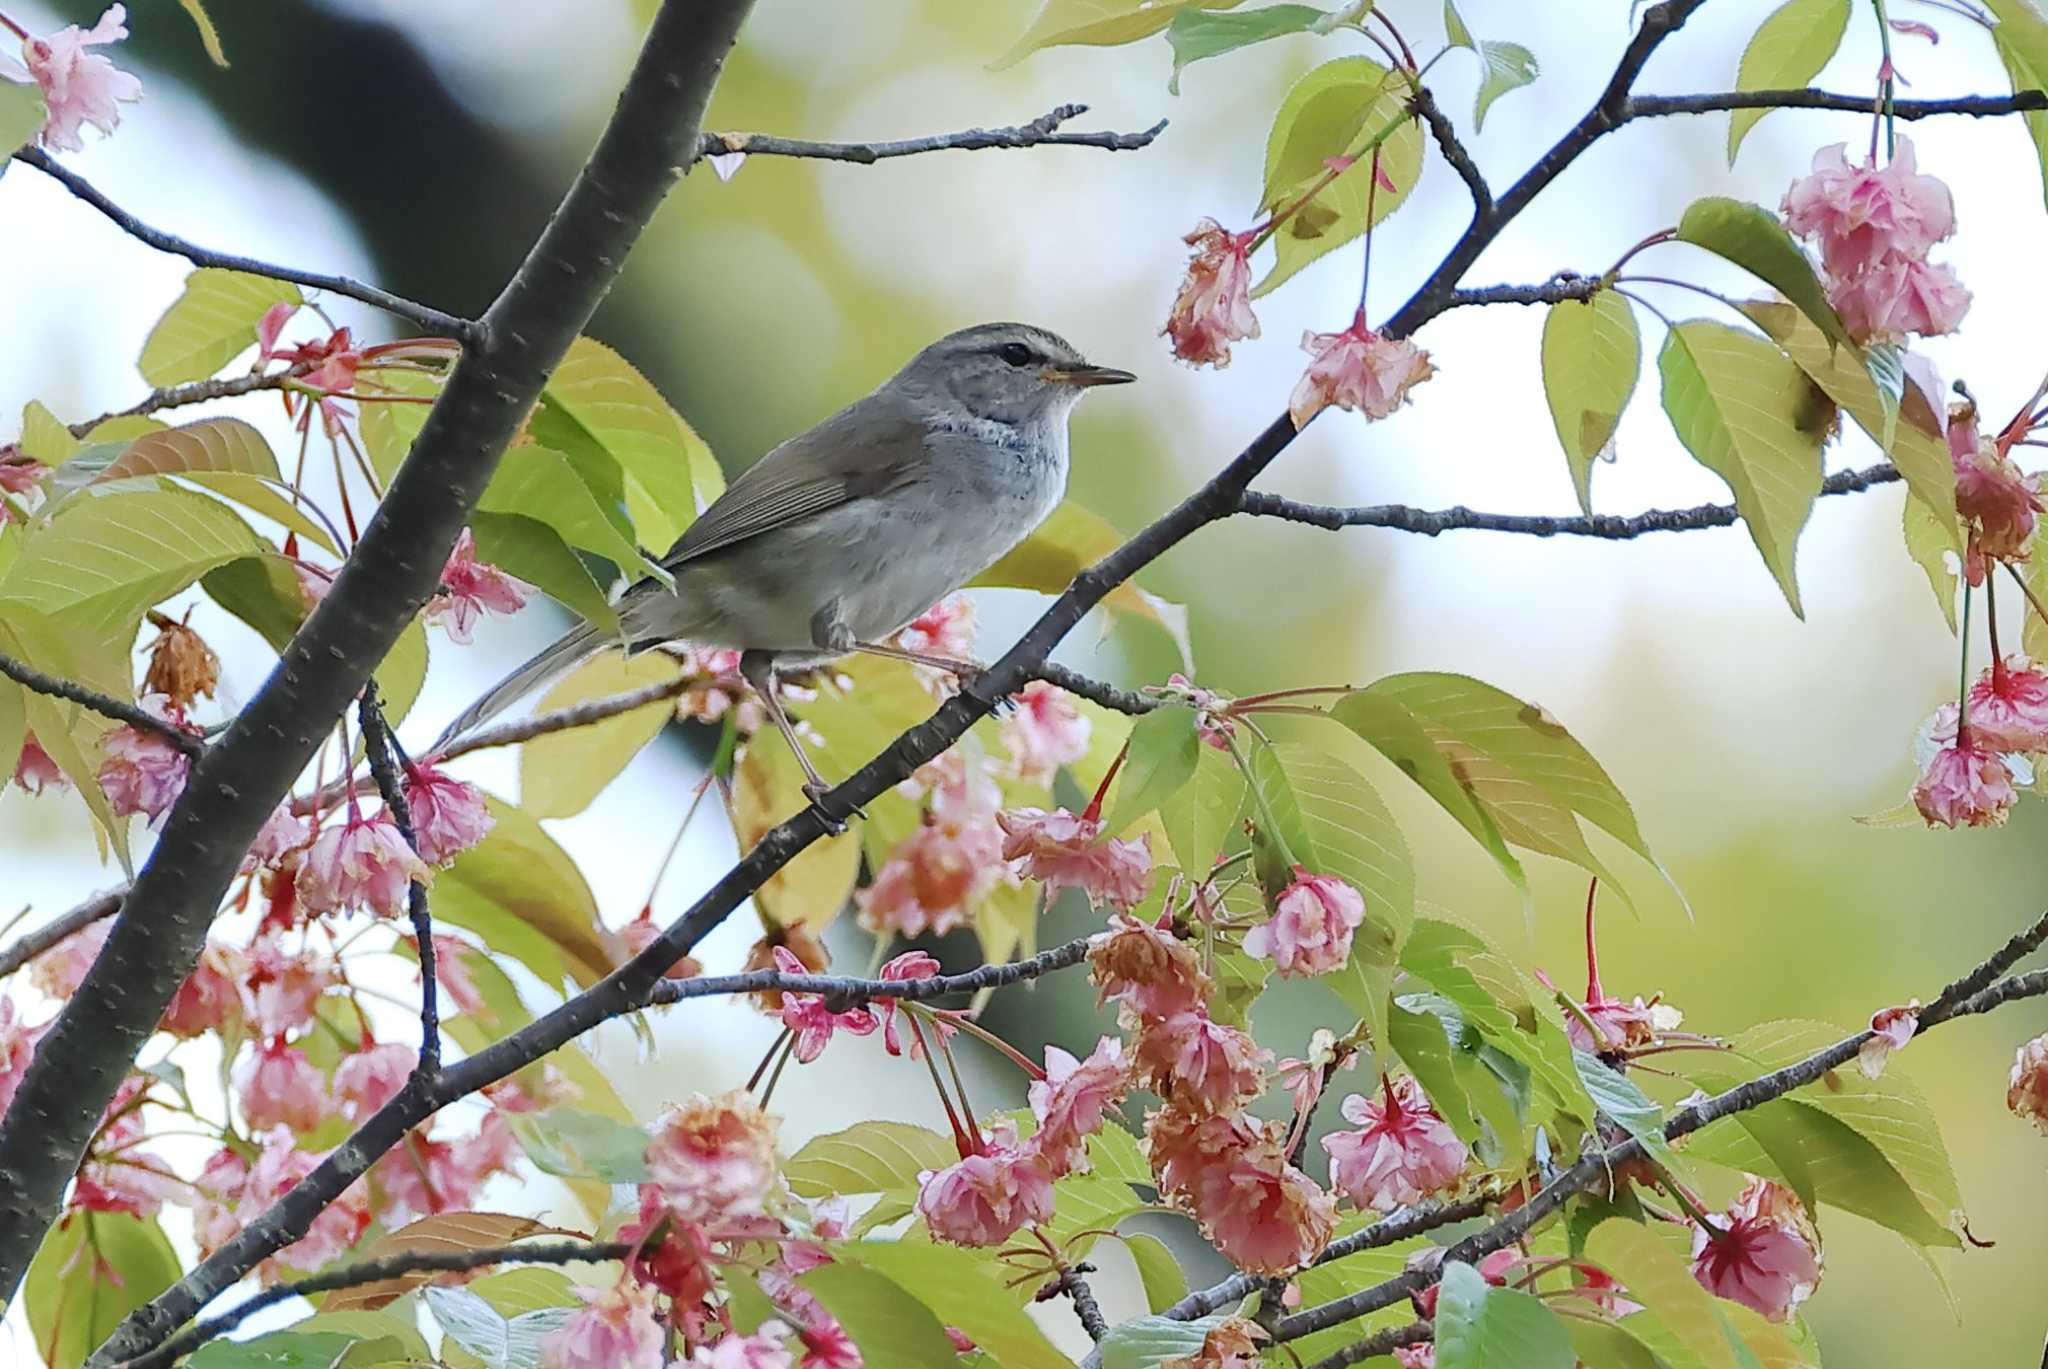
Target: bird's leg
[
  {"x": 966, "y": 671},
  {"x": 758, "y": 670}
]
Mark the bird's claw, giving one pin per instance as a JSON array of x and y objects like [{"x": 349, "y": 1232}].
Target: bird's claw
[{"x": 816, "y": 791}]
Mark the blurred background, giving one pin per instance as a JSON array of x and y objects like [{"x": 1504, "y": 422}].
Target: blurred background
[{"x": 422, "y": 146}]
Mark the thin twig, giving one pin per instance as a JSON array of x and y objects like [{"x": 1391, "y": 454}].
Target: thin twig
[
  {"x": 33, "y": 944},
  {"x": 1086, "y": 1308},
  {"x": 1108, "y": 695},
  {"x": 562, "y": 719},
  {"x": 844, "y": 992},
  {"x": 197, "y": 392},
  {"x": 1554, "y": 291},
  {"x": 1974, "y": 106},
  {"x": 106, "y": 705},
  {"x": 1379, "y": 1343},
  {"x": 1040, "y": 132},
  {"x": 431, "y": 319},
  {"x": 377, "y": 746}
]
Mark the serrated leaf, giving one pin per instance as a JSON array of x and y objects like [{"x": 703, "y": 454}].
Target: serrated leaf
[
  {"x": 497, "y": 1341},
  {"x": 1746, "y": 413},
  {"x": 1929, "y": 546},
  {"x": 1503, "y": 66},
  {"x": 1199, "y": 34},
  {"x": 1592, "y": 353},
  {"x": 1164, "y": 752},
  {"x": 536, "y": 553},
  {"x": 1627, "y": 1106},
  {"x": 1097, "y": 23},
  {"x": 1492, "y": 998},
  {"x": 1609, "y": 1345},
  {"x": 288, "y": 1349},
  {"x": 562, "y": 772},
  {"x": 1785, "y": 53},
  {"x": 525, "y": 1288},
  {"x": 22, "y": 113},
  {"x": 868, "y": 1157},
  {"x": 576, "y": 1144},
  {"x": 812, "y": 889},
  {"x": 1064, "y": 545},
  {"x": 1658, "y": 1277},
  {"x": 2021, "y": 38},
  {"x": 962, "y": 1292},
  {"x": 1158, "y": 1271},
  {"x": 1479, "y": 1326},
  {"x": 544, "y": 485},
  {"x": 106, "y": 560},
  {"x": 210, "y": 324},
  {"x": 1420, "y": 1040},
  {"x": 1751, "y": 237},
  {"x": 520, "y": 892},
  {"x": 1332, "y": 112},
  {"x": 1142, "y": 1342},
  {"x": 91, "y": 1271},
  {"x": 1200, "y": 818},
  {"x": 442, "y": 1233},
  {"x": 888, "y": 1324},
  {"x": 44, "y": 435},
  {"x": 224, "y": 455}
]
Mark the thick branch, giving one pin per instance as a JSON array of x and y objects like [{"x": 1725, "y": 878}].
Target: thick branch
[
  {"x": 396, "y": 566},
  {"x": 1431, "y": 522},
  {"x": 1976, "y": 106},
  {"x": 427, "y": 317},
  {"x": 33, "y": 944},
  {"x": 106, "y": 705},
  {"x": 1040, "y": 132}
]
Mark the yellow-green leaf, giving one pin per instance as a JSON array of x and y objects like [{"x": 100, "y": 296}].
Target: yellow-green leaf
[
  {"x": 1164, "y": 752},
  {"x": 1592, "y": 353},
  {"x": 389, "y": 427},
  {"x": 560, "y": 773},
  {"x": 22, "y": 112},
  {"x": 403, "y": 672},
  {"x": 1197, "y": 33},
  {"x": 210, "y": 324},
  {"x": 2022, "y": 41},
  {"x": 1336, "y": 111},
  {"x": 863, "y": 704},
  {"x": 522, "y": 894},
  {"x": 1658, "y": 1276},
  {"x": 1749, "y": 415},
  {"x": 964, "y": 1292},
  {"x": 1927, "y": 542},
  {"x": 1200, "y": 818},
  {"x": 767, "y": 788},
  {"x": 1098, "y": 23},
  {"x": 209, "y": 36},
  {"x": 1165, "y": 1282},
  {"x": 1751, "y": 237},
  {"x": 536, "y": 553},
  {"x": 224, "y": 455},
  {"x": 92, "y": 1270},
  {"x": 889, "y": 1325},
  {"x": 868, "y": 1157},
  {"x": 1066, "y": 544},
  {"x": 1502, "y": 66},
  {"x": 1787, "y": 52},
  {"x": 538, "y": 483},
  {"x": 44, "y": 436}
]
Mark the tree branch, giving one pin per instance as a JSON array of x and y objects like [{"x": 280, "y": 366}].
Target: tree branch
[
  {"x": 842, "y": 993},
  {"x": 196, "y": 392},
  {"x": 1558, "y": 289},
  {"x": 33, "y": 944},
  {"x": 1379, "y": 1343},
  {"x": 1040, "y": 132},
  {"x": 106, "y": 705},
  {"x": 1108, "y": 695},
  {"x": 1431, "y": 522},
  {"x": 562, "y": 719},
  {"x": 1426, "y": 108},
  {"x": 1086, "y": 1308},
  {"x": 427, "y": 317},
  {"x": 1975, "y": 106},
  {"x": 396, "y": 566},
  {"x": 377, "y": 747}
]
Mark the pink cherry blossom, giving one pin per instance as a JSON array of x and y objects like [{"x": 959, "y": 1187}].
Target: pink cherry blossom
[
  {"x": 427, "y": 1176},
  {"x": 713, "y": 1157},
  {"x": 1861, "y": 214},
  {"x": 211, "y": 996},
  {"x": 118, "y": 1176},
  {"x": 468, "y": 588},
  {"x": 80, "y": 87},
  {"x": 813, "y": 1022},
  {"x": 19, "y": 474},
  {"x": 1147, "y": 968},
  {"x": 60, "y": 970},
  {"x": 1310, "y": 931},
  {"x": 1214, "y": 307},
  {"x": 363, "y": 864},
  {"x": 143, "y": 772},
  {"x": 1358, "y": 368},
  {"x": 368, "y": 1079},
  {"x": 945, "y": 629},
  {"x": 1892, "y": 1028},
  {"x": 1074, "y": 1099},
  {"x": 616, "y": 1328},
  {"x": 282, "y": 831},
  {"x": 1897, "y": 297},
  {"x": 983, "y": 1199},
  {"x": 765, "y": 1349},
  {"x": 1763, "y": 1253},
  {"x": 1402, "y": 1153},
  {"x": 448, "y": 815},
  {"x": 278, "y": 1086},
  {"x": 231, "y": 1192},
  {"x": 2001, "y": 502},
  {"x": 909, "y": 966},
  {"x": 957, "y": 789},
  {"x": 1184, "y": 1145},
  {"x": 2026, "y": 1094},
  {"x": 1068, "y": 852},
  {"x": 1262, "y": 1213},
  {"x": 34, "y": 769},
  {"x": 1965, "y": 782},
  {"x": 934, "y": 880},
  {"x": 2009, "y": 707},
  {"x": 17, "y": 1047},
  {"x": 827, "y": 1344},
  {"x": 1422, "y": 1356},
  {"x": 281, "y": 988},
  {"x": 1200, "y": 1064},
  {"x": 1044, "y": 731}
]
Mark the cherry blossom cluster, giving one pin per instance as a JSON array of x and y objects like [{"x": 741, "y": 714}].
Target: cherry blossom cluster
[{"x": 78, "y": 87}]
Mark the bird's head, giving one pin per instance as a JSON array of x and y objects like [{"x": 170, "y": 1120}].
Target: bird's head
[{"x": 1008, "y": 373}]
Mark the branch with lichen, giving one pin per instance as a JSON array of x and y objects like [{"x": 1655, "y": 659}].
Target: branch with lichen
[{"x": 1044, "y": 131}]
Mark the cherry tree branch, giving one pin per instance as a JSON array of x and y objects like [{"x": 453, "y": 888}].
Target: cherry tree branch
[
  {"x": 842, "y": 993},
  {"x": 431, "y": 319},
  {"x": 378, "y": 744},
  {"x": 1426, "y": 108},
  {"x": 563, "y": 719},
  {"x": 106, "y": 705},
  {"x": 1974, "y": 106},
  {"x": 1378, "y": 1343},
  {"x": 195, "y": 392},
  {"x": 33, "y": 944},
  {"x": 1556, "y": 290},
  {"x": 1040, "y": 132},
  {"x": 1108, "y": 695}
]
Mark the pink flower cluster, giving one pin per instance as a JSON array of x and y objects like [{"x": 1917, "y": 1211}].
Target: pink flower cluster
[
  {"x": 232, "y": 1191},
  {"x": 1969, "y": 769},
  {"x": 1043, "y": 731},
  {"x": 1402, "y": 1153},
  {"x": 2026, "y": 1093},
  {"x": 1311, "y": 927},
  {"x": 1359, "y": 368},
  {"x": 469, "y": 588},
  {"x": 1763, "y": 1252},
  {"x": 937, "y": 878},
  {"x": 143, "y": 772},
  {"x": 1214, "y": 307},
  {"x": 1063, "y": 851},
  {"x": 78, "y": 87},
  {"x": 1874, "y": 227}
]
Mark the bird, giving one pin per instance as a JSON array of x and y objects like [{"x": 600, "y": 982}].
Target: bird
[{"x": 847, "y": 532}]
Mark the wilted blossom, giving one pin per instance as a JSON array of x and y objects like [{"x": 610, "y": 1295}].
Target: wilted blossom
[
  {"x": 17, "y": 1047},
  {"x": 1763, "y": 1253},
  {"x": 1232, "y": 1174},
  {"x": 1043, "y": 731},
  {"x": 934, "y": 880},
  {"x": 143, "y": 772},
  {"x": 278, "y": 1085},
  {"x": 281, "y": 832},
  {"x": 281, "y": 988},
  {"x": 1358, "y": 368},
  {"x": 2001, "y": 502},
  {"x": 1892, "y": 1028},
  {"x": 182, "y": 667},
  {"x": 231, "y": 1192},
  {"x": 1604, "y": 1025},
  {"x": 1073, "y": 1100},
  {"x": 716, "y": 687},
  {"x": 1214, "y": 307},
  {"x": 19, "y": 475},
  {"x": 813, "y": 1022},
  {"x": 60, "y": 970},
  {"x": 1964, "y": 781},
  {"x": 1201, "y": 1064},
  {"x": 1232, "y": 1344},
  {"x": 1898, "y": 297},
  {"x": 427, "y": 1176},
  {"x": 1310, "y": 930},
  {"x": 448, "y": 815},
  {"x": 2027, "y": 1094},
  {"x": 79, "y": 87},
  {"x": 1068, "y": 852},
  {"x": 2009, "y": 707},
  {"x": 1418, "y": 1356},
  {"x": 616, "y": 1328},
  {"x": 1402, "y": 1153},
  {"x": 1147, "y": 968},
  {"x": 34, "y": 769},
  {"x": 995, "y": 1188},
  {"x": 764, "y": 1349},
  {"x": 713, "y": 1157},
  {"x": 360, "y": 863},
  {"x": 468, "y": 588},
  {"x": 211, "y": 996}
]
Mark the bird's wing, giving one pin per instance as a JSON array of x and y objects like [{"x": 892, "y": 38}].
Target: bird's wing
[{"x": 868, "y": 449}]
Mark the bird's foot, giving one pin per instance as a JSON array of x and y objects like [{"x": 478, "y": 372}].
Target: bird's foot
[{"x": 816, "y": 791}]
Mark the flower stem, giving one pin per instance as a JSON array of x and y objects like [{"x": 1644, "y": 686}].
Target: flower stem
[
  {"x": 1963, "y": 683},
  {"x": 1093, "y": 812},
  {"x": 17, "y": 30}
]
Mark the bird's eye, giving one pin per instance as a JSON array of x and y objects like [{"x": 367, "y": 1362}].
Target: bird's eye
[{"x": 1015, "y": 353}]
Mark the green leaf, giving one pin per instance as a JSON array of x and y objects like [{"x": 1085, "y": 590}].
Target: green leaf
[
  {"x": 812, "y": 889},
  {"x": 1201, "y": 817},
  {"x": 1610, "y": 1345},
  {"x": 1787, "y": 52},
  {"x": 1114, "y": 1154},
  {"x": 1097, "y": 23},
  {"x": 560, "y": 773},
  {"x": 22, "y": 113},
  {"x": 1627, "y": 1106},
  {"x": 1503, "y": 66},
  {"x": 1751, "y": 236},
  {"x": 868, "y": 1157},
  {"x": 962, "y": 1292},
  {"x": 224, "y": 455},
  {"x": 890, "y": 1326},
  {"x": 1164, "y": 1281},
  {"x": 497, "y": 1342},
  {"x": 536, "y": 553},
  {"x": 1198, "y": 34},
  {"x": 290, "y": 1349},
  {"x": 263, "y": 592},
  {"x": 1494, "y": 1000},
  {"x": 210, "y": 324},
  {"x": 1592, "y": 352},
  {"x": 596, "y": 402},
  {"x": 1659, "y": 1277},
  {"x": 1921, "y": 453},
  {"x": 1747, "y": 414},
  {"x": 403, "y": 672},
  {"x": 209, "y": 36},
  {"x": 520, "y": 892},
  {"x": 91, "y": 1271},
  {"x": 1335, "y": 111},
  {"x": 388, "y": 428},
  {"x": 1929, "y": 546},
  {"x": 583, "y": 1145},
  {"x": 1479, "y": 1326},
  {"x": 1063, "y": 546},
  {"x": 2021, "y": 38},
  {"x": 1164, "y": 751},
  {"x": 44, "y": 435},
  {"x": 383, "y": 1338},
  {"x": 527, "y": 1288},
  {"x": 538, "y": 483},
  {"x": 1142, "y": 1342},
  {"x": 1421, "y": 1041}
]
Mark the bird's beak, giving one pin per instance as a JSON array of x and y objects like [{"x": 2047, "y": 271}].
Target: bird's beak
[{"x": 1088, "y": 375}]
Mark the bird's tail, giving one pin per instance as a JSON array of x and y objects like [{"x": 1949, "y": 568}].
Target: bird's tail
[{"x": 565, "y": 651}]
